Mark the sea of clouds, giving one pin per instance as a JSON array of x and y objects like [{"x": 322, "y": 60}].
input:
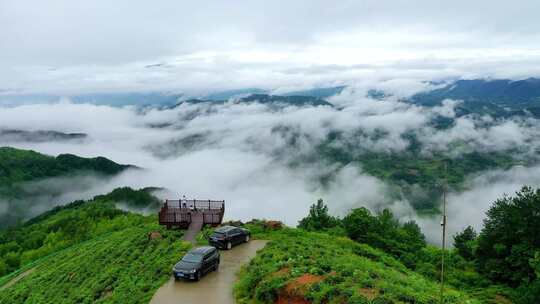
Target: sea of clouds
[{"x": 242, "y": 153}]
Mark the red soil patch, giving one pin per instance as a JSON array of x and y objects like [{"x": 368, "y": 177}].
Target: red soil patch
[
  {"x": 154, "y": 235},
  {"x": 308, "y": 279},
  {"x": 273, "y": 225},
  {"x": 369, "y": 293},
  {"x": 293, "y": 293}
]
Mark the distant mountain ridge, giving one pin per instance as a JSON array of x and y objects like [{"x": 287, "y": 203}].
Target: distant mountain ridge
[
  {"x": 154, "y": 98},
  {"x": 322, "y": 92},
  {"x": 500, "y": 97},
  {"x": 288, "y": 100},
  {"x": 277, "y": 100},
  {"x": 13, "y": 135},
  {"x": 500, "y": 90}
]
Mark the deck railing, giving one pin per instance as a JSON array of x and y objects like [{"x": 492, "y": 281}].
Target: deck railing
[
  {"x": 195, "y": 204},
  {"x": 181, "y": 212},
  {"x": 174, "y": 217}
]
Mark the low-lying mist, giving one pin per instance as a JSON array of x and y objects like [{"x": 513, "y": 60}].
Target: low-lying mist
[{"x": 262, "y": 160}]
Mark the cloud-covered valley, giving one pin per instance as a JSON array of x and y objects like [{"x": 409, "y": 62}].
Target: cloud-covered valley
[{"x": 265, "y": 160}]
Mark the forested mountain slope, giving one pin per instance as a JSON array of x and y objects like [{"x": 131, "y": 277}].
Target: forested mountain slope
[
  {"x": 18, "y": 165},
  {"x": 31, "y": 180}
]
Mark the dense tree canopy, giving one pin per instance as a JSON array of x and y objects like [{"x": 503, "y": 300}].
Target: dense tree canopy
[
  {"x": 18, "y": 165},
  {"x": 510, "y": 238},
  {"x": 385, "y": 232},
  {"x": 465, "y": 243}
]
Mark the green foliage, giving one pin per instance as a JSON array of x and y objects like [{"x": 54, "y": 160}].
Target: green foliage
[
  {"x": 25, "y": 165},
  {"x": 509, "y": 239},
  {"x": 530, "y": 292},
  {"x": 68, "y": 225},
  {"x": 119, "y": 267},
  {"x": 88, "y": 252},
  {"x": 318, "y": 218},
  {"x": 133, "y": 198},
  {"x": 348, "y": 272},
  {"x": 459, "y": 272},
  {"x": 358, "y": 224},
  {"x": 465, "y": 243},
  {"x": 383, "y": 231},
  {"x": 21, "y": 172}
]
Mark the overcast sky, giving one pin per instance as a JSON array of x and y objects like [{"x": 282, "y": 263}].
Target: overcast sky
[{"x": 81, "y": 46}]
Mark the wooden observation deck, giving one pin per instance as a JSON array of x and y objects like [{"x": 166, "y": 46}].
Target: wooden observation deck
[{"x": 181, "y": 213}]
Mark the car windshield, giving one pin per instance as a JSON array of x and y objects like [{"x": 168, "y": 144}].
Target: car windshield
[
  {"x": 192, "y": 258},
  {"x": 218, "y": 234}
]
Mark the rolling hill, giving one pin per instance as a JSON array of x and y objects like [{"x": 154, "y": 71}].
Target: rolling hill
[
  {"x": 22, "y": 171},
  {"x": 88, "y": 251}
]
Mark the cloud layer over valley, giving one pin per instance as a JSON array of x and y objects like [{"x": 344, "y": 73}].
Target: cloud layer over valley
[{"x": 266, "y": 160}]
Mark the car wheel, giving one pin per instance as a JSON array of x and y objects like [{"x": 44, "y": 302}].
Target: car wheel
[
  {"x": 229, "y": 245},
  {"x": 197, "y": 276},
  {"x": 247, "y": 238}
]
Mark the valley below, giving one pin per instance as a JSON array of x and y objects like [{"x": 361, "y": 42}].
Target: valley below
[{"x": 376, "y": 164}]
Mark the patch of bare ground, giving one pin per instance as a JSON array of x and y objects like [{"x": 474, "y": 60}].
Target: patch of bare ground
[
  {"x": 17, "y": 278},
  {"x": 369, "y": 293},
  {"x": 294, "y": 291}
]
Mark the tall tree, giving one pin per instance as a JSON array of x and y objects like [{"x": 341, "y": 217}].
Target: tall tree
[
  {"x": 318, "y": 218},
  {"x": 465, "y": 243},
  {"x": 510, "y": 238}
]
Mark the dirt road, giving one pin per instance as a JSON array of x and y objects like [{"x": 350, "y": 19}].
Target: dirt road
[
  {"x": 215, "y": 287},
  {"x": 17, "y": 279}
]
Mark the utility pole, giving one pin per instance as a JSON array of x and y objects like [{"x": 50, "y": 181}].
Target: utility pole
[{"x": 443, "y": 224}]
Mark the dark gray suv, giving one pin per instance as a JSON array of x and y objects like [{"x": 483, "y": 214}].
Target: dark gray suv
[
  {"x": 196, "y": 263},
  {"x": 227, "y": 236}
]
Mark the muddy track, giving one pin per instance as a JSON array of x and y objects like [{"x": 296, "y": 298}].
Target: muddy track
[
  {"x": 17, "y": 279},
  {"x": 215, "y": 287}
]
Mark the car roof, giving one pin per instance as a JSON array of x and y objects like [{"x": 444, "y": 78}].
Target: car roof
[
  {"x": 202, "y": 250},
  {"x": 225, "y": 228}
]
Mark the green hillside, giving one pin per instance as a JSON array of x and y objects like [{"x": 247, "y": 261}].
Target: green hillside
[
  {"x": 118, "y": 267},
  {"x": 323, "y": 268},
  {"x": 375, "y": 258},
  {"x": 88, "y": 252},
  {"x": 24, "y": 183},
  {"x": 92, "y": 252},
  {"x": 18, "y": 165}
]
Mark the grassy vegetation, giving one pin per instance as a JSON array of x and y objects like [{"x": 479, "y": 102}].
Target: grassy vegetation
[
  {"x": 68, "y": 225},
  {"x": 339, "y": 271},
  {"x": 362, "y": 258},
  {"x": 89, "y": 252},
  {"x": 118, "y": 267}
]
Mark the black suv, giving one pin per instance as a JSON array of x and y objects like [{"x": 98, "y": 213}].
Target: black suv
[
  {"x": 227, "y": 236},
  {"x": 197, "y": 262}
]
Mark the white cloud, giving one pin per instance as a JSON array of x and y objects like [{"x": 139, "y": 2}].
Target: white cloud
[
  {"x": 469, "y": 207},
  {"x": 243, "y": 152},
  {"x": 219, "y": 44}
]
